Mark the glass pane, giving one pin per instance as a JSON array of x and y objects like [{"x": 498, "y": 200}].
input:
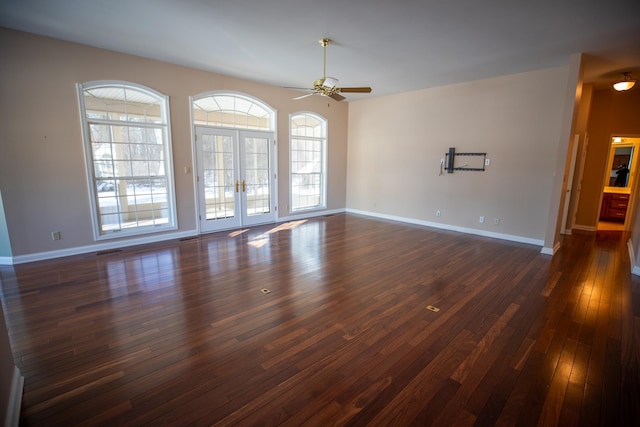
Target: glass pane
[
  {"x": 158, "y": 186},
  {"x": 109, "y": 222},
  {"x": 106, "y": 187},
  {"x": 100, "y": 133},
  {"x": 257, "y": 176},
  {"x": 120, "y": 152},
  {"x": 155, "y": 152},
  {"x": 115, "y": 102},
  {"x": 137, "y": 151},
  {"x": 218, "y": 175},
  {"x": 122, "y": 168},
  {"x": 140, "y": 168},
  {"x": 231, "y": 111},
  {"x": 103, "y": 169},
  {"x": 306, "y": 159}
]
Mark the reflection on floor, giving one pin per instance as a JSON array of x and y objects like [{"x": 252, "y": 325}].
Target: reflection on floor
[{"x": 610, "y": 226}]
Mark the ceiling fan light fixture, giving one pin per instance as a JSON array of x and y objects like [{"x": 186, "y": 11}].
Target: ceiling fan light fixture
[
  {"x": 330, "y": 82},
  {"x": 625, "y": 83}
]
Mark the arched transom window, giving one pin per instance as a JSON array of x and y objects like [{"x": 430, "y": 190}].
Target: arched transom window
[{"x": 232, "y": 111}]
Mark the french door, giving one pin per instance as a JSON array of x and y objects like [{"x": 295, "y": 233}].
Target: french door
[{"x": 236, "y": 178}]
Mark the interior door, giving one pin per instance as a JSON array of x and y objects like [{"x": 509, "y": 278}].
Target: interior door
[
  {"x": 569, "y": 186},
  {"x": 257, "y": 177},
  {"x": 218, "y": 179},
  {"x": 236, "y": 181}
]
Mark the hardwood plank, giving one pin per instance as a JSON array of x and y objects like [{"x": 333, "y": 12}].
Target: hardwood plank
[{"x": 178, "y": 332}]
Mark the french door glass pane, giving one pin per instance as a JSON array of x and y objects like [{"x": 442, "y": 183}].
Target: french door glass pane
[
  {"x": 218, "y": 175},
  {"x": 257, "y": 176}
]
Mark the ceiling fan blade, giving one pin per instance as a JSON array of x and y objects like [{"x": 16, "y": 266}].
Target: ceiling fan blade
[
  {"x": 328, "y": 86},
  {"x": 355, "y": 89},
  {"x": 303, "y": 96}
]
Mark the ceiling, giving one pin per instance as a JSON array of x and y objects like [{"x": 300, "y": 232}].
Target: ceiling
[{"x": 392, "y": 46}]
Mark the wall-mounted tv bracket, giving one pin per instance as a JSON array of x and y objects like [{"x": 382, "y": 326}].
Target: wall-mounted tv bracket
[{"x": 450, "y": 160}]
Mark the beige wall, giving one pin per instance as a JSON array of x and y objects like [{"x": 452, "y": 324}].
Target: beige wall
[
  {"x": 42, "y": 170},
  {"x": 396, "y": 143}
]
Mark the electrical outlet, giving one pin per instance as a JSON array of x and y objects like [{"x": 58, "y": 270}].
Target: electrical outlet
[
  {"x": 481, "y": 220},
  {"x": 496, "y": 221},
  {"x": 442, "y": 161},
  {"x": 487, "y": 162},
  {"x": 56, "y": 235},
  {"x": 437, "y": 213}
]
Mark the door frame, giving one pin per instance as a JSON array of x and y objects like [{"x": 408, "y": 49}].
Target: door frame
[
  {"x": 569, "y": 185},
  {"x": 633, "y": 172},
  {"x": 239, "y": 169},
  {"x": 245, "y": 219}
]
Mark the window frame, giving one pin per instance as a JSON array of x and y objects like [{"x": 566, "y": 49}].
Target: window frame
[
  {"x": 238, "y": 97},
  {"x": 324, "y": 139},
  {"x": 167, "y": 151}
]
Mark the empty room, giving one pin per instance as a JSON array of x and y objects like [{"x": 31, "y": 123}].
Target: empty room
[{"x": 338, "y": 213}]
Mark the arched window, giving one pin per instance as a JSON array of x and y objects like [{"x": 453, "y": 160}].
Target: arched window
[
  {"x": 308, "y": 158},
  {"x": 232, "y": 111},
  {"x": 128, "y": 155}
]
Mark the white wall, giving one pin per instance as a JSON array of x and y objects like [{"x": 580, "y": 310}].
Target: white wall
[{"x": 396, "y": 143}]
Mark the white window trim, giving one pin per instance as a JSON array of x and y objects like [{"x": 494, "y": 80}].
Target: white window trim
[
  {"x": 325, "y": 150},
  {"x": 88, "y": 153},
  {"x": 250, "y": 98},
  {"x": 273, "y": 125}
]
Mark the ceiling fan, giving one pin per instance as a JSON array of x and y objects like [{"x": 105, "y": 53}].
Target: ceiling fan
[{"x": 327, "y": 86}]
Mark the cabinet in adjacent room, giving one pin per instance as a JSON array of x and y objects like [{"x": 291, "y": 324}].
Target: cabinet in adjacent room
[{"x": 614, "y": 207}]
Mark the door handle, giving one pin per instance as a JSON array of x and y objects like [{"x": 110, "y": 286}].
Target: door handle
[
  {"x": 236, "y": 185},
  {"x": 244, "y": 187}
]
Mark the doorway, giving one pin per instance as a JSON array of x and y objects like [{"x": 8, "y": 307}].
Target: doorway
[
  {"x": 617, "y": 194},
  {"x": 235, "y": 178}
]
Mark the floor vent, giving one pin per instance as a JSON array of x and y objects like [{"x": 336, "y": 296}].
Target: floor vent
[{"x": 108, "y": 251}]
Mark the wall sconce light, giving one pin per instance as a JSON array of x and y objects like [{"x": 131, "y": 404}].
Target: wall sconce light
[{"x": 625, "y": 84}]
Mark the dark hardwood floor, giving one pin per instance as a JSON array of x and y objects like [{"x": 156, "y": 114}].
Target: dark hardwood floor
[{"x": 181, "y": 333}]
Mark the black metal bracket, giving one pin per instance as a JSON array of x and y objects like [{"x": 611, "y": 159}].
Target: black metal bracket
[{"x": 449, "y": 161}]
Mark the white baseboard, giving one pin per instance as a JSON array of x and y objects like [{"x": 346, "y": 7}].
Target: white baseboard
[
  {"x": 309, "y": 214},
  {"x": 550, "y": 251},
  {"x": 15, "y": 399},
  {"x": 103, "y": 246},
  {"x": 635, "y": 270},
  {"x": 584, "y": 227},
  {"x": 466, "y": 230}
]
